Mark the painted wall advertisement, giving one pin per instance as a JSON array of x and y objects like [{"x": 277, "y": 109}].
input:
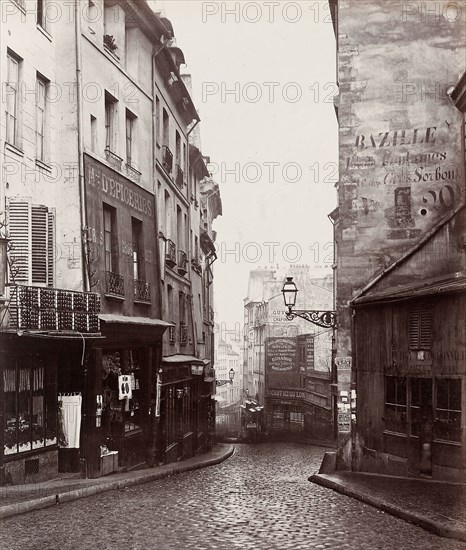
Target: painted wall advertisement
[{"x": 281, "y": 362}]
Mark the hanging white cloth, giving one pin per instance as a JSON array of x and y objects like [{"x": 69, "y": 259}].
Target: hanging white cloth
[{"x": 71, "y": 411}]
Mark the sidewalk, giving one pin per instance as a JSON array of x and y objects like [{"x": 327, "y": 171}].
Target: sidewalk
[
  {"x": 19, "y": 499},
  {"x": 438, "y": 507}
]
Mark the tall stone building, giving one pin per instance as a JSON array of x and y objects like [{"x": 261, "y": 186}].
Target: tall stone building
[
  {"x": 401, "y": 178},
  {"x": 103, "y": 200}
]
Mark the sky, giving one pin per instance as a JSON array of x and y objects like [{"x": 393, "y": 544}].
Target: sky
[{"x": 263, "y": 77}]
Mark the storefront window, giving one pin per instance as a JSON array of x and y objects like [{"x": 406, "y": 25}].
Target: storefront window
[
  {"x": 447, "y": 424},
  {"x": 30, "y": 405},
  {"x": 395, "y": 404},
  {"x": 421, "y": 405}
]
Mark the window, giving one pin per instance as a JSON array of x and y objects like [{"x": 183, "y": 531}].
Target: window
[
  {"x": 447, "y": 423},
  {"x": 420, "y": 326},
  {"x": 138, "y": 264},
  {"x": 93, "y": 134},
  {"x": 32, "y": 233},
  {"x": 166, "y": 129},
  {"x": 178, "y": 149},
  {"x": 111, "y": 259},
  {"x": 41, "y": 118},
  {"x": 12, "y": 99},
  {"x": 110, "y": 122},
  {"x": 395, "y": 404},
  {"x": 421, "y": 404},
  {"x": 130, "y": 127},
  {"x": 30, "y": 414},
  {"x": 157, "y": 120}
]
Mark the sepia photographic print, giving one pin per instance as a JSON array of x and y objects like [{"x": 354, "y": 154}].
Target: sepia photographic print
[{"x": 232, "y": 274}]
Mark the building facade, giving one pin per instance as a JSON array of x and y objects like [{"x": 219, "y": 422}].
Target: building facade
[
  {"x": 401, "y": 175},
  {"x": 87, "y": 163}
]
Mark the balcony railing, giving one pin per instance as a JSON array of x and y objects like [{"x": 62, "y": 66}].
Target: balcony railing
[
  {"x": 113, "y": 159},
  {"x": 115, "y": 284},
  {"x": 35, "y": 308},
  {"x": 196, "y": 265},
  {"x": 167, "y": 159},
  {"x": 182, "y": 262},
  {"x": 170, "y": 253},
  {"x": 141, "y": 291},
  {"x": 179, "y": 176},
  {"x": 183, "y": 334}
]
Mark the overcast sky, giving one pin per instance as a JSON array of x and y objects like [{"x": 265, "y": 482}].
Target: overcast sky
[{"x": 272, "y": 140}]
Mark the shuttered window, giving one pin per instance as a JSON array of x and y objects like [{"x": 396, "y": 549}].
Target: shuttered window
[
  {"x": 420, "y": 326},
  {"x": 31, "y": 230}
]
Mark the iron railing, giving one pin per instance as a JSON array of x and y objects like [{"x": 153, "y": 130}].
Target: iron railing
[
  {"x": 115, "y": 284},
  {"x": 170, "y": 253},
  {"x": 179, "y": 176},
  {"x": 167, "y": 159},
  {"x": 182, "y": 262},
  {"x": 141, "y": 291}
]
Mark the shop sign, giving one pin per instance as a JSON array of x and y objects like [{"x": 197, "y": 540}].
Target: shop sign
[
  {"x": 289, "y": 394},
  {"x": 343, "y": 363},
  {"x": 197, "y": 370},
  {"x": 124, "y": 387},
  {"x": 158, "y": 391}
]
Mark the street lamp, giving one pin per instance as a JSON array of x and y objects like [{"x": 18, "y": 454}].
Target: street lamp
[
  {"x": 321, "y": 318},
  {"x": 231, "y": 375}
]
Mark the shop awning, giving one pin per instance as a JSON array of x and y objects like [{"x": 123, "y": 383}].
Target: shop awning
[
  {"x": 180, "y": 358},
  {"x": 111, "y": 318}
]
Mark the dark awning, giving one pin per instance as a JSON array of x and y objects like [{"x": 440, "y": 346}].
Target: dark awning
[
  {"x": 180, "y": 358},
  {"x": 111, "y": 318}
]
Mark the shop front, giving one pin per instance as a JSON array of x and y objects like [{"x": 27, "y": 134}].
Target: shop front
[
  {"x": 119, "y": 431},
  {"x": 285, "y": 413},
  {"x": 45, "y": 333},
  {"x": 185, "y": 424}
]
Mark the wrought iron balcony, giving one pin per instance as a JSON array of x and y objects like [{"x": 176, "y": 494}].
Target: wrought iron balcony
[
  {"x": 179, "y": 176},
  {"x": 196, "y": 265},
  {"x": 115, "y": 284},
  {"x": 183, "y": 334},
  {"x": 167, "y": 159},
  {"x": 141, "y": 291},
  {"x": 113, "y": 159},
  {"x": 48, "y": 309},
  {"x": 182, "y": 262},
  {"x": 170, "y": 253}
]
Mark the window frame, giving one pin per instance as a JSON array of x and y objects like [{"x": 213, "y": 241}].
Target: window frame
[
  {"x": 12, "y": 86},
  {"x": 110, "y": 239}
]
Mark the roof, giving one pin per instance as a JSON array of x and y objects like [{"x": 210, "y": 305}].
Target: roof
[
  {"x": 112, "y": 318},
  {"x": 456, "y": 282},
  {"x": 180, "y": 358},
  {"x": 418, "y": 246}
]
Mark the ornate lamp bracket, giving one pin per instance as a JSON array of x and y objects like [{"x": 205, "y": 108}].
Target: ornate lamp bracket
[{"x": 325, "y": 319}]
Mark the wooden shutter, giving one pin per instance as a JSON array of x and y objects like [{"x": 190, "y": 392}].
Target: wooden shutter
[
  {"x": 420, "y": 326},
  {"x": 19, "y": 228},
  {"x": 31, "y": 230},
  {"x": 39, "y": 244},
  {"x": 425, "y": 325},
  {"x": 51, "y": 248}
]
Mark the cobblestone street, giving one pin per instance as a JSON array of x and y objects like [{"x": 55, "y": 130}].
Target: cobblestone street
[{"x": 258, "y": 499}]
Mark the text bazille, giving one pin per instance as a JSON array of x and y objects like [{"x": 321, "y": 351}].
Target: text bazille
[{"x": 396, "y": 137}]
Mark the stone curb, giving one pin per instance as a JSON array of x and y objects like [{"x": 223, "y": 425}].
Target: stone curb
[
  {"x": 100, "y": 487},
  {"x": 417, "y": 519}
]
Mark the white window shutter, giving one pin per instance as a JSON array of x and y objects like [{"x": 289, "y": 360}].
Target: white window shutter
[
  {"x": 39, "y": 247},
  {"x": 51, "y": 248},
  {"x": 31, "y": 230},
  {"x": 19, "y": 229}
]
